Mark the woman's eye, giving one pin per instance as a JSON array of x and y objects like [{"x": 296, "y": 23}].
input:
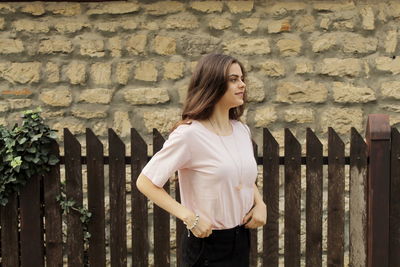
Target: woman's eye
[{"x": 233, "y": 80}]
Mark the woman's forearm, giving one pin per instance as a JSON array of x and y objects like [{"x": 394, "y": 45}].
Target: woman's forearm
[
  {"x": 257, "y": 196},
  {"x": 162, "y": 199}
]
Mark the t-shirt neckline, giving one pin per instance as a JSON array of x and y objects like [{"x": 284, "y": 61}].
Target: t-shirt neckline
[{"x": 213, "y": 133}]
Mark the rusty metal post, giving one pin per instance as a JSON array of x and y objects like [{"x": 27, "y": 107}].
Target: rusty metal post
[{"x": 378, "y": 140}]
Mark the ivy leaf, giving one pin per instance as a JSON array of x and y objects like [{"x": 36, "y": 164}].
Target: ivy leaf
[
  {"x": 16, "y": 162},
  {"x": 53, "y": 160}
]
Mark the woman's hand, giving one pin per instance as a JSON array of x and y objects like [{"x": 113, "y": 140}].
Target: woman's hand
[
  {"x": 256, "y": 217},
  {"x": 202, "y": 229}
]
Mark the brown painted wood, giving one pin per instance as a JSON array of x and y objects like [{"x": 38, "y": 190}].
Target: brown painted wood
[
  {"x": 140, "y": 226},
  {"x": 180, "y": 228},
  {"x": 95, "y": 181},
  {"x": 335, "y": 199},
  {"x": 253, "y": 232},
  {"x": 292, "y": 199},
  {"x": 358, "y": 200},
  {"x": 161, "y": 218},
  {"x": 53, "y": 219},
  {"x": 314, "y": 176},
  {"x": 117, "y": 200},
  {"x": 30, "y": 224},
  {"x": 73, "y": 176},
  {"x": 271, "y": 198},
  {"x": 9, "y": 233},
  {"x": 378, "y": 140},
  {"x": 394, "y": 227}
]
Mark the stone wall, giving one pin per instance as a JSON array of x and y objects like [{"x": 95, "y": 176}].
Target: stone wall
[{"x": 127, "y": 64}]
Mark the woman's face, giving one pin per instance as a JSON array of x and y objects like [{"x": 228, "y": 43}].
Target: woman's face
[{"x": 233, "y": 96}]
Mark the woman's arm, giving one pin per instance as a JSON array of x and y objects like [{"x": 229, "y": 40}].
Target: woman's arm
[
  {"x": 162, "y": 199},
  {"x": 257, "y": 216}
]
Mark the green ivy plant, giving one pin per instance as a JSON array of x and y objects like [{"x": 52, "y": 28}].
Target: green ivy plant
[{"x": 24, "y": 152}]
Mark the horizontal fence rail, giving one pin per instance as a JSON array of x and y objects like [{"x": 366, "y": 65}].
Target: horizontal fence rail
[{"x": 32, "y": 223}]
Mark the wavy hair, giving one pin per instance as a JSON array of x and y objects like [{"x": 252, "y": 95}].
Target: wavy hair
[{"x": 208, "y": 84}]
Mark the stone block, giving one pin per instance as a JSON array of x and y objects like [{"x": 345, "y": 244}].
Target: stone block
[
  {"x": 164, "y": 45},
  {"x": 161, "y": 119},
  {"x": 219, "y": 23},
  {"x": 249, "y": 25},
  {"x": 301, "y": 92},
  {"x": 6, "y": 8},
  {"x": 247, "y": 46},
  {"x": 100, "y": 73},
  {"x": 52, "y": 72},
  {"x": 115, "y": 46},
  {"x": 64, "y": 8},
  {"x": 76, "y": 126},
  {"x": 368, "y": 18},
  {"x": 333, "y": 6},
  {"x": 117, "y": 7},
  {"x": 146, "y": 71},
  {"x": 70, "y": 26},
  {"x": 289, "y": 47},
  {"x": 20, "y": 103},
  {"x": 236, "y": 7},
  {"x": 264, "y": 116},
  {"x": 96, "y": 96},
  {"x": 388, "y": 64},
  {"x": 356, "y": 44},
  {"x": 305, "y": 23},
  {"x": 181, "y": 21},
  {"x": 347, "y": 93},
  {"x": 278, "y": 26},
  {"x": 113, "y": 26},
  {"x": 89, "y": 111},
  {"x": 76, "y": 72},
  {"x": 173, "y": 70},
  {"x": 390, "y": 42},
  {"x": 304, "y": 67},
  {"x": 31, "y": 26},
  {"x": 26, "y": 72},
  {"x": 272, "y": 68},
  {"x": 122, "y": 124},
  {"x": 207, "y": 6},
  {"x": 324, "y": 42},
  {"x": 4, "y": 106},
  {"x": 255, "y": 89},
  {"x": 122, "y": 72},
  {"x": 338, "y": 118},
  {"x": 340, "y": 67},
  {"x": 17, "y": 92},
  {"x": 2, "y": 22},
  {"x": 147, "y": 95},
  {"x": 391, "y": 90},
  {"x": 136, "y": 44},
  {"x": 280, "y": 9},
  {"x": 59, "y": 97},
  {"x": 11, "y": 46},
  {"x": 299, "y": 115},
  {"x": 35, "y": 8},
  {"x": 164, "y": 7},
  {"x": 92, "y": 48},
  {"x": 52, "y": 46}
]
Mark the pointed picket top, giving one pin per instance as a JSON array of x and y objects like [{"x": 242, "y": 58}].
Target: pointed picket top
[
  {"x": 138, "y": 145},
  {"x": 158, "y": 140}
]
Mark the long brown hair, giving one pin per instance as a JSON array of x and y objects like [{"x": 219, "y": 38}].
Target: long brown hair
[{"x": 208, "y": 84}]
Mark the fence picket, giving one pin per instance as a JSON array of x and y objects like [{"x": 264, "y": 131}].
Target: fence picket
[
  {"x": 394, "y": 227},
  {"x": 9, "y": 232},
  {"x": 292, "y": 199},
  {"x": 180, "y": 228},
  {"x": 314, "y": 178},
  {"x": 118, "y": 222},
  {"x": 271, "y": 198},
  {"x": 73, "y": 177},
  {"x": 31, "y": 235},
  {"x": 336, "y": 162},
  {"x": 140, "y": 239},
  {"x": 95, "y": 182},
  {"x": 161, "y": 218},
  {"x": 358, "y": 200},
  {"x": 253, "y": 232},
  {"x": 53, "y": 219}
]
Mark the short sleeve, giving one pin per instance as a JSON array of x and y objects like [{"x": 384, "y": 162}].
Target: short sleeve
[{"x": 174, "y": 155}]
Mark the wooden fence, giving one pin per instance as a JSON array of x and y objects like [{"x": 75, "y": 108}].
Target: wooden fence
[{"x": 31, "y": 224}]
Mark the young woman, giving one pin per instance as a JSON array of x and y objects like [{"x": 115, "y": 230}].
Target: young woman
[{"x": 212, "y": 151}]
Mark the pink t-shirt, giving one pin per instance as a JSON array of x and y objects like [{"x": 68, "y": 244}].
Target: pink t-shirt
[{"x": 209, "y": 168}]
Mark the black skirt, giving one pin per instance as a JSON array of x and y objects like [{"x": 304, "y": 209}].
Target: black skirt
[{"x": 223, "y": 248}]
